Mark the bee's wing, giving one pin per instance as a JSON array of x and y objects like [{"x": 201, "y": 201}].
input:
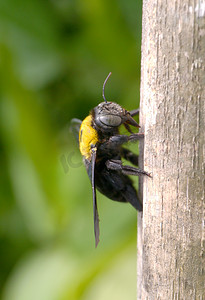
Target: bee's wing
[
  {"x": 95, "y": 208},
  {"x": 75, "y": 127}
]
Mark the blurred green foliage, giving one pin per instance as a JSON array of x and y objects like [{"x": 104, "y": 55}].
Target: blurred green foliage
[{"x": 54, "y": 57}]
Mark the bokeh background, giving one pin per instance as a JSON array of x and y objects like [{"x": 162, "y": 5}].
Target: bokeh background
[{"x": 54, "y": 57}]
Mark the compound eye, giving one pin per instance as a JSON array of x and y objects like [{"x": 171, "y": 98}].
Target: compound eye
[{"x": 111, "y": 120}]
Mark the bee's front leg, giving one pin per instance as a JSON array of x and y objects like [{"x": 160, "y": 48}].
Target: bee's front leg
[
  {"x": 134, "y": 112},
  {"x": 120, "y": 139},
  {"x": 117, "y": 140}
]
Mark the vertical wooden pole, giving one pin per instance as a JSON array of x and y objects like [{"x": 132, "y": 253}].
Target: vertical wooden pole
[{"x": 172, "y": 116}]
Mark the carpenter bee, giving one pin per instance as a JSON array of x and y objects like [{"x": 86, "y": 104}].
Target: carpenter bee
[{"x": 101, "y": 146}]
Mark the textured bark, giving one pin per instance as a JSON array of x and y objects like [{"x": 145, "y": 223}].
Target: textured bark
[{"x": 172, "y": 116}]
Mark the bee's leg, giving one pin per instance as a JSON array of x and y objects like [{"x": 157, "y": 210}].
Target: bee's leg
[
  {"x": 126, "y": 170},
  {"x": 130, "y": 156},
  {"x": 135, "y": 112},
  {"x": 128, "y": 128},
  {"x": 118, "y": 140}
]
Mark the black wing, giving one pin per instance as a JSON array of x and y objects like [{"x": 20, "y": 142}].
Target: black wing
[
  {"x": 90, "y": 166},
  {"x": 95, "y": 208},
  {"x": 75, "y": 127}
]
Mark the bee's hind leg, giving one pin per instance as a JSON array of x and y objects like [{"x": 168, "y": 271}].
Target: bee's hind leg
[{"x": 126, "y": 170}]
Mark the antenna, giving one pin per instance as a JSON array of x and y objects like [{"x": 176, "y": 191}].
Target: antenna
[{"x": 103, "y": 94}]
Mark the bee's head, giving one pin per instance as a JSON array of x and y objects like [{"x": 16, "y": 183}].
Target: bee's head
[{"x": 108, "y": 116}]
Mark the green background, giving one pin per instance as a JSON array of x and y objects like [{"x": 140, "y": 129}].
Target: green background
[{"x": 54, "y": 57}]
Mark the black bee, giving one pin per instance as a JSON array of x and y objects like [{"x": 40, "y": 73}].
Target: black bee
[{"x": 100, "y": 144}]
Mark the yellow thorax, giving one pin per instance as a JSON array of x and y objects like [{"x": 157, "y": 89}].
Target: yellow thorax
[{"x": 87, "y": 137}]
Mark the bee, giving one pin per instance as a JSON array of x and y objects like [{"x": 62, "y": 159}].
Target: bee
[{"x": 101, "y": 146}]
